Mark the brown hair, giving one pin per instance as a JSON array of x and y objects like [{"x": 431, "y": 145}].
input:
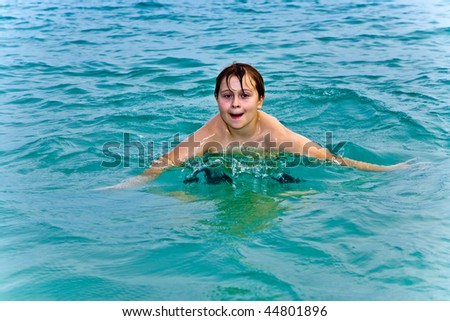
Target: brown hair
[{"x": 239, "y": 70}]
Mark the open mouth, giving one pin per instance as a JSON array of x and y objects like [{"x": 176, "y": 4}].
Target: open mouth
[{"x": 236, "y": 116}]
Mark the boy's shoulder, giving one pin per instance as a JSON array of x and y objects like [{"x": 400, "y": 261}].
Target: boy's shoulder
[
  {"x": 269, "y": 122},
  {"x": 210, "y": 129}
]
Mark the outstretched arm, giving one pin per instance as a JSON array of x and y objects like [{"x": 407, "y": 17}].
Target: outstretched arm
[
  {"x": 370, "y": 167},
  {"x": 147, "y": 176},
  {"x": 190, "y": 147},
  {"x": 325, "y": 154},
  {"x": 306, "y": 147}
]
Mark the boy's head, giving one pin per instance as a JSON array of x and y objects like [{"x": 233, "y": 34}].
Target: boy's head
[{"x": 240, "y": 70}]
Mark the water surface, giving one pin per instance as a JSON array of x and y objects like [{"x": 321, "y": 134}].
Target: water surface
[{"x": 77, "y": 75}]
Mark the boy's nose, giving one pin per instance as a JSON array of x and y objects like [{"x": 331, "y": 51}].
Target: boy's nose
[{"x": 236, "y": 102}]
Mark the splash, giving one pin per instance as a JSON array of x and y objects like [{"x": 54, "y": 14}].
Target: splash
[{"x": 228, "y": 168}]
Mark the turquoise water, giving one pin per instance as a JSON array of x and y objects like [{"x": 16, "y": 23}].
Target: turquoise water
[{"x": 78, "y": 75}]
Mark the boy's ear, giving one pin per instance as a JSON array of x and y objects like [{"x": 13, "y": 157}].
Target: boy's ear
[{"x": 260, "y": 102}]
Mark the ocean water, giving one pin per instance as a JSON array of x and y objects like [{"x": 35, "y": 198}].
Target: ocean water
[{"x": 77, "y": 75}]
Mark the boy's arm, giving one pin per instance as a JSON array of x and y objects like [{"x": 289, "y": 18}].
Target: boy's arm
[
  {"x": 174, "y": 158},
  {"x": 190, "y": 147},
  {"x": 147, "y": 176},
  {"x": 304, "y": 146},
  {"x": 325, "y": 154},
  {"x": 371, "y": 167}
]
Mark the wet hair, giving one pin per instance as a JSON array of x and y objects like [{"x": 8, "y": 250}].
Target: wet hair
[{"x": 239, "y": 70}]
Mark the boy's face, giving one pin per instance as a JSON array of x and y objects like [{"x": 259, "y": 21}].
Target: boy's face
[{"x": 238, "y": 105}]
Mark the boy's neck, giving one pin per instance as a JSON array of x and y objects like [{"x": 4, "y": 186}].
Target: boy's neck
[{"x": 247, "y": 133}]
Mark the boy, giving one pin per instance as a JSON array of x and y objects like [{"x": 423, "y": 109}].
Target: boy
[{"x": 239, "y": 94}]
